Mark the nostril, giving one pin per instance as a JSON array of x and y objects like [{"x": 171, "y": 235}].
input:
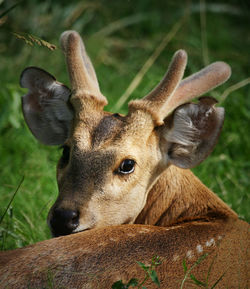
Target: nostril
[
  {"x": 66, "y": 215},
  {"x": 64, "y": 222},
  {"x": 75, "y": 218},
  {"x": 74, "y": 222}
]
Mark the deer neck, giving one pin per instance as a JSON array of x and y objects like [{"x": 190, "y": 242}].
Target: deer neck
[{"x": 179, "y": 196}]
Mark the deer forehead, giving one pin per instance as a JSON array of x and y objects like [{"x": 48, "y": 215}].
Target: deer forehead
[{"x": 111, "y": 131}]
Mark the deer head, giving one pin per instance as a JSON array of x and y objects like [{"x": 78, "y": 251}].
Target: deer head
[{"x": 110, "y": 161}]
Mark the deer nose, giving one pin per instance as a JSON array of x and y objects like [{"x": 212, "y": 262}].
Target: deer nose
[{"x": 63, "y": 222}]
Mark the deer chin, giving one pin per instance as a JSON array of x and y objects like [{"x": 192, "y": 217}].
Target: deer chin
[
  {"x": 82, "y": 228},
  {"x": 87, "y": 227}
]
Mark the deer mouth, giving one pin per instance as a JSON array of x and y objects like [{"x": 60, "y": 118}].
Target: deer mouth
[{"x": 82, "y": 228}]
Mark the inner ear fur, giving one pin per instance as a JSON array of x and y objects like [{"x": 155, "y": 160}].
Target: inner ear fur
[
  {"x": 193, "y": 132},
  {"x": 46, "y": 107}
]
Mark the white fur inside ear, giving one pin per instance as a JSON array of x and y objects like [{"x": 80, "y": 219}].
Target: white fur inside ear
[
  {"x": 194, "y": 132},
  {"x": 183, "y": 132}
]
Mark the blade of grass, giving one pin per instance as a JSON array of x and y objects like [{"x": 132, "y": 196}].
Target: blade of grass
[
  {"x": 210, "y": 268},
  {"x": 137, "y": 79},
  {"x": 204, "y": 32},
  {"x": 11, "y": 200},
  {"x": 234, "y": 87},
  {"x": 10, "y": 9},
  {"x": 216, "y": 283},
  {"x": 78, "y": 11},
  {"x": 119, "y": 24},
  {"x": 191, "y": 268}
]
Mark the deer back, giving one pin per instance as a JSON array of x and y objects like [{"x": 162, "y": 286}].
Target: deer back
[{"x": 100, "y": 257}]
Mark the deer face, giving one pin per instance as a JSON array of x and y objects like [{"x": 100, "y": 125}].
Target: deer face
[
  {"x": 104, "y": 177},
  {"x": 109, "y": 161}
]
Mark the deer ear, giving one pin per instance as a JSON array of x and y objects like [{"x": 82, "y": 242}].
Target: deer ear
[
  {"x": 193, "y": 133},
  {"x": 46, "y": 108}
]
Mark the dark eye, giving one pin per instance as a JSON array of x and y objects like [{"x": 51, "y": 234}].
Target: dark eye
[
  {"x": 127, "y": 167},
  {"x": 65, "y": 156}
]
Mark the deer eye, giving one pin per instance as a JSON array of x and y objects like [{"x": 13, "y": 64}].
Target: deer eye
[{"x": 126, "y": 167}]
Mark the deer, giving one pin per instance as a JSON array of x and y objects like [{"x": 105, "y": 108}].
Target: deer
[{"x": 126, "y": 191}]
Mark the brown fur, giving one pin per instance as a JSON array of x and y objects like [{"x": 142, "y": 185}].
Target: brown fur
[
  {"x": 98, "y": 258},
  {"x": 178, "y": 196},
  {"x": 177, "y": 217}
]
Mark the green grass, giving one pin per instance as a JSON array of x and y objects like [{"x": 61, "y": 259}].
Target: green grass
[{"x": 120, "y": 37}]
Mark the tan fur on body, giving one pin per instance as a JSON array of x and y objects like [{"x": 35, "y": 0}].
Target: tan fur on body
[
  {"x": 118, "y": 170},
  {"x": 179, "y": 196},
  {"x": 98, "y": 258}
]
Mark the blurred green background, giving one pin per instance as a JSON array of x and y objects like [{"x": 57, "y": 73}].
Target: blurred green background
[{"x": 130, "y": 44}]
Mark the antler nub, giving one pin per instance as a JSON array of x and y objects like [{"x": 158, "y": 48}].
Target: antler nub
[
  {"x": 82, "y": 74},
  {"x": 156, "y": 100},
  {"x": 165, "y": 98},
  {"x": 199, "y": 83}
]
